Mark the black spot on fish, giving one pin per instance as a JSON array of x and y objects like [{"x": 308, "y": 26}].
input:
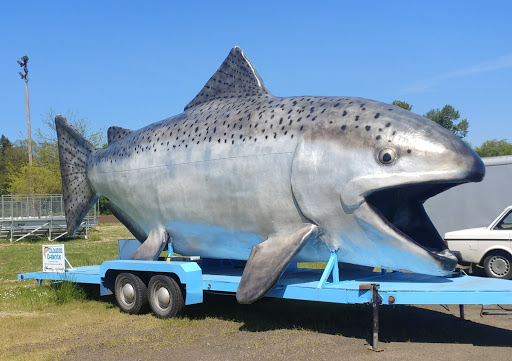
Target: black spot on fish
[
  {"x": 368, "y": 128},
  {"x": 343, "y": 127},
  {"x": 377, "y": 115},
  {"x": 388, "y": 125},
  {"x": 378, "y": 137},
  {"x": 344, "y": 113},
  {"x": 409, "y": 151},
  {"x": 357, "y": 118}
]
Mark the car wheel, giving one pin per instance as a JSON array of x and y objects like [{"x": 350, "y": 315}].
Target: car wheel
[
  {"x": 498, "y": 265},
  {"x": 131, "y": 293},
  {"x": 165, "y": 297}
]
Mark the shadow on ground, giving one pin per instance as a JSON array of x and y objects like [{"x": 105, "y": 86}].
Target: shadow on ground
[{"x": 397, "y": 324}]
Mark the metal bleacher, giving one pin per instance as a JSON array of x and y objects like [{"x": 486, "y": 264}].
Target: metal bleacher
[{"x": 39, "y": 215}]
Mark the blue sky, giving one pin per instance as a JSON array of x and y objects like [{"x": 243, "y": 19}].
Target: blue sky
[{"x": 132, "y": 63}]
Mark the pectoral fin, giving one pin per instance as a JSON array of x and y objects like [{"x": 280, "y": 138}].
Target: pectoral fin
[
  {"x": 152, "y": 246},
  {"x": 268, "y": 260}
]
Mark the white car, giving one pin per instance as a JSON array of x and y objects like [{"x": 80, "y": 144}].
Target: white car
[{"x": 490, "y": 247}]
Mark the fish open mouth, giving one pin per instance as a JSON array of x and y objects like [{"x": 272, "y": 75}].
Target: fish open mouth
[{"x": 401, "y": 208}]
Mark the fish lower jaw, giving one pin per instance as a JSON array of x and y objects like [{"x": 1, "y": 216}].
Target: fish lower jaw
[{"x": 408, "y": 231}]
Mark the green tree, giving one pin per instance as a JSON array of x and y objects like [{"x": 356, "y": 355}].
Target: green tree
[
  {"x": 494, "y": 148},
  {"x": 81, "y": 124},
  {"x": 45, "y": 176},
  {"x": 12, "y": 158},
  {"x": 103, "y": 205},
  {"x": 447, "y": 117},
  {"x": 402, "y": 104},
  {"x": 5, "y": 145},
  {"x": 33, "y": 180}
]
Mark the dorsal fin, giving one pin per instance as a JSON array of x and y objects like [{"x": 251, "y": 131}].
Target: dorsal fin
[
  {"x": 117, "y": 133},
  {"x": 236, "y": 77}
]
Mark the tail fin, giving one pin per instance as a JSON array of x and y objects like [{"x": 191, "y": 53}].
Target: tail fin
[{"x": 74, "y": 150}]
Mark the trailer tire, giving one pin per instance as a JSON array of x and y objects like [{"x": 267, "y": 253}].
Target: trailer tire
[
  {"x": 131, "y": 293},
  {"x": 498, "y": 264},
  {"x": 165, "y": 296}
]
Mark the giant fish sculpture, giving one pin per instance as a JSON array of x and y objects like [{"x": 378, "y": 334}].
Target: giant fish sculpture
[{"x": 243, "y": 174}]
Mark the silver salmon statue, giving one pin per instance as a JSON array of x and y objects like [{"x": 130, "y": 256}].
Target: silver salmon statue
[{"x": 242, "y": 174}]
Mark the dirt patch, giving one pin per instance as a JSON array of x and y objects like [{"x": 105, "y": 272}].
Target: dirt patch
[
  {"x": 420, "y": 331},
  {"x": 286, "y": 330},
  {"x": 107, "y": 218},
  {"x": 25, "y": 314}
]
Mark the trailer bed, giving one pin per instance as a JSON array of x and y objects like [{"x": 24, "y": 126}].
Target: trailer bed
[{"x": 353, "y": 286}]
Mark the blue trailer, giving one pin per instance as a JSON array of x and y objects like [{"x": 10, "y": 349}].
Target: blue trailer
[{"x": 170, "y": 283}]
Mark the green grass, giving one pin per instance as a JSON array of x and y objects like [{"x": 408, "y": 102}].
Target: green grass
[{"x": 26, "y": 256}]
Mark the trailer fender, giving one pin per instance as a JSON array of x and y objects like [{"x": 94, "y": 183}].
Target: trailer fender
[{"x": 188, "y": 273}]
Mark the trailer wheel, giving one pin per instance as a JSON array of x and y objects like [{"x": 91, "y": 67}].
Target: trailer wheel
[
  {"x": 131, "y": 293},
  {"x": 498, "y": 265},
  {"x": 165, "y": 297}
]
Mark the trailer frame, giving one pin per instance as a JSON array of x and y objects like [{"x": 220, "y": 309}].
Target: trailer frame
[{"x": 196, "y": 276}]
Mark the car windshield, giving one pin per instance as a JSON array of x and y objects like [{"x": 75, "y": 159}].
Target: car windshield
[{"x": 506, "y": 222}]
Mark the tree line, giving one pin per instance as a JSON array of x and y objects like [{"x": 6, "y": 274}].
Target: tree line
[{"x": 43, "y": 177}]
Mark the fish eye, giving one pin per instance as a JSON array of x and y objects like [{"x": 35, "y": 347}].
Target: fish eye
[{"x": 387, "y": 156}]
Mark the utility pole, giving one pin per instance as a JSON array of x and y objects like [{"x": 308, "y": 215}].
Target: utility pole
[{"x": 23, "y": 63}]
